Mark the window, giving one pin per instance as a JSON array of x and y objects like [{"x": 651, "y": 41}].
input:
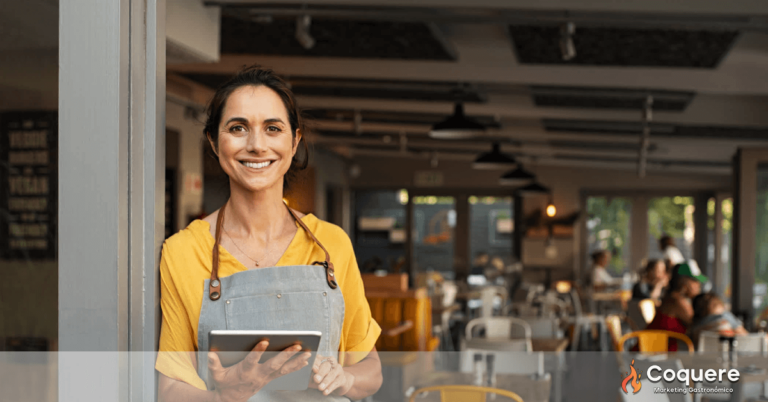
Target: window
[
  {"x": 490, "y": 227},
  {"x": 671, "y": 216},
  {"x": 608, "y": 228},
  {"x": 434, "y": 224},
  {"x": 379, "y": 233},
  {"x": 761, "y": 259}
]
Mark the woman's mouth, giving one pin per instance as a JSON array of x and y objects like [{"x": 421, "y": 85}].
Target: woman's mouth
[{"x": 253, "y": 165}]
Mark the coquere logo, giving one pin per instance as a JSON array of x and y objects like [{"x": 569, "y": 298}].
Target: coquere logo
[
  {"x": 635, "y": 380},
  {"x": 684, "y": 377}
]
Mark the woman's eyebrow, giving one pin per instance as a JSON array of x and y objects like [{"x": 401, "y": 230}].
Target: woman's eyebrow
[
  {"x": 237, "y": 119},
  {"x": 274, "y": 120}
]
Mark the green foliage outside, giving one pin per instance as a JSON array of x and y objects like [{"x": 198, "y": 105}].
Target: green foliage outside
[
  {"x": 608, "y": 228},
  {"x": 667, "y": 216}
]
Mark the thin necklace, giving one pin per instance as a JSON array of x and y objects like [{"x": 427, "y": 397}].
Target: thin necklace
[{"x": 238, "y": 247}]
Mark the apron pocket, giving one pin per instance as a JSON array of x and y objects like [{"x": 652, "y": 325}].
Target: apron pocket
[{"x": 301, "y": 311}]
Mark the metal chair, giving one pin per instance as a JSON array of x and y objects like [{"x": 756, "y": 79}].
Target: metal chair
[
  {"x": 499, "y": 328},
  {"x": 640, "y": 313},
  {"x": 543, "y": 327},
  {"x": 465, "y": 393},
  {"x": 654, "y": 341},
  {"x": 613, "y": 323}
]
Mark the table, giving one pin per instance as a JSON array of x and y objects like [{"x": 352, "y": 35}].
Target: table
[
  {"x": 620, "y": 297},
  {"x": 529, "y": 388},
  {"x": 556, "y": 345},
  {"x": 552, "y": 349}
]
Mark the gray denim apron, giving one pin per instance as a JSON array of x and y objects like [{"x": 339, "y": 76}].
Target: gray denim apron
[{"x": 300, "y": 297}]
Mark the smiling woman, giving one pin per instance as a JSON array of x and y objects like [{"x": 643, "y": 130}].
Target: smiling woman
[
  {"x": 269, "y": 262},
  {"x": 246, "y": 112}
]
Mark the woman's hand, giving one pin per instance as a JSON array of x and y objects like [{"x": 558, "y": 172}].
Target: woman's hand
[
  {"x": 242, "y": 380},
  {"x": 330, "y": 377}
]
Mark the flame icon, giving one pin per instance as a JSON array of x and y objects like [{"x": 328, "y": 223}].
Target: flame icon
[{"x": 635, "y": 380}]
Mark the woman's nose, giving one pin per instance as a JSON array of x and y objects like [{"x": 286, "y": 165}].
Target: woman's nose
[{"x": 256, "y": 141}]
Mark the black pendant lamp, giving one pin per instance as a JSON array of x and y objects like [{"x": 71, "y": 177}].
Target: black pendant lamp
[
  {"x": 494, "y": 159},
  {"x": 517, "y": 177},
  {"x": 457, "y": 126},
  {"x": 532, "y": 189}
]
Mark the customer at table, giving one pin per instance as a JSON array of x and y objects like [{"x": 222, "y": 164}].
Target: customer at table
[
  {"x": 653, "y": 282},
  {"x": 600, "y": 276},
  {"x": 709, "y": 314},
  {"x": 676, "y": 311},
  {"x": 480, "y": 263},
  {"x": 672, "y": 254}
]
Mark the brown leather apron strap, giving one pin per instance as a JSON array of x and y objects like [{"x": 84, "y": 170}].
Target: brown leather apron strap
[
  {"x": 330, "y": 274},
  {"x": 214, "y": 287}
]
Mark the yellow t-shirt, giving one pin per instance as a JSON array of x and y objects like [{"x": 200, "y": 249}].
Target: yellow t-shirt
[{"x": 186, "y": 264}]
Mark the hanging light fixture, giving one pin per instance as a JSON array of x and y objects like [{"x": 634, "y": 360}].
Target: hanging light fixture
[
  {"x": 533, "y": 189},
  {"x": 551, "y": 209},
  {"x": 517, "y": 177},
  {"x": 457, "y": 126},
  {"x": 303, "y": 36},
  {"x": 567, "y": 47},
  {"x": 494, "y": 159}
]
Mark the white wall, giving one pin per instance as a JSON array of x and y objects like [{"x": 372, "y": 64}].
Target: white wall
[{"x": 192, "y": 31}]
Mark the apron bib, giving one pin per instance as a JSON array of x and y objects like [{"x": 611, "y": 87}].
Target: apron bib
[{"x": 300, "y": 297}]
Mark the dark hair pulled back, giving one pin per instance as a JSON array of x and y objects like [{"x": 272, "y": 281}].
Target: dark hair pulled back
[{"x": 256, "y": 76}]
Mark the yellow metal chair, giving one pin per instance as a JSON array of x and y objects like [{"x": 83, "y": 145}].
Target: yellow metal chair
[
  {"x": 465, "y": 393},
  {"x": 654, "y": 341},
  {"x": 613, "y": 323}
]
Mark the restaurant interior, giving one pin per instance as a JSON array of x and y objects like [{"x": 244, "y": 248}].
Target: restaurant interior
[
  {"x": 487, "y": 160},
  {"x": 524, "y": 183}
]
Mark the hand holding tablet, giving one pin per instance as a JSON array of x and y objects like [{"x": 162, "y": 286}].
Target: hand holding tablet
[
  {"x": 280, "y": 360},
  {"x": 241, "y": 381}
]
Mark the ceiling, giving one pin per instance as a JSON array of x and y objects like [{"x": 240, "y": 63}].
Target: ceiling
[{"x": 382, "y": 72}]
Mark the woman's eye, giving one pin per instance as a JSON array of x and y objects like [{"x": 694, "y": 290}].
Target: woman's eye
[
  {"x": 237, "y": 129},
  {"x": 273, "y": 129}
]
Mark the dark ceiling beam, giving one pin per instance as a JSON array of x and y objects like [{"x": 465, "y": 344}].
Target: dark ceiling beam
[{"x": 467, "y": 15}]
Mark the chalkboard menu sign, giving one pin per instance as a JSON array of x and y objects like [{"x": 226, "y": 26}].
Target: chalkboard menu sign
[{"x": 28, "y": 185}]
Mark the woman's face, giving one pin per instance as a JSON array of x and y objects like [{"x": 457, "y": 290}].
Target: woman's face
[
  {"x": 658, "y": 273},
  {"x": 693, "y": 288},
  {"x": 255, "y": 145}
]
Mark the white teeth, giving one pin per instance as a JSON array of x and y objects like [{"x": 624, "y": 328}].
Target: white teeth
[{"x": 257, "y": 165}]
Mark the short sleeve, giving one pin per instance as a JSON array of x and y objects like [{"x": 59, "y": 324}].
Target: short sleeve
[
  {"x": 177, "y": 344},
  {"x": 360, "y": 330}
]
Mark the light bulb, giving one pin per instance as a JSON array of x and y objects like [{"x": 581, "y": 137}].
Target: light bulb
[{"x": 551, "y": 210}]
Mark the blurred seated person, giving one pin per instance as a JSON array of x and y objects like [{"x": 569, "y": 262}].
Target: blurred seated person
[
  {"x": 653, "y": 282},
  {"x": 672, "y": 254},
  {"x": 600, "y": 276},
  {"x": 709, "y": 314},
  {"x": 480, "y": 263},
  {"x": 676, "y": 311}
]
